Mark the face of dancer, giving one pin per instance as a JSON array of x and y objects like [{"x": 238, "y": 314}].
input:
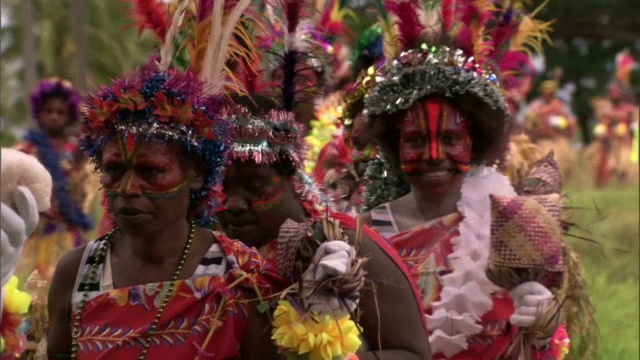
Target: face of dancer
[
  {"x": 615, "y": 93},
  {"x": 548, "y": 94},
  {"x": 363, "y": 149},
  {"x": 259, "y": 200},
  {"x": 148, "y": 183},
  {"x": 435, "y": 146},
  {"x": 54, "y": 116}
]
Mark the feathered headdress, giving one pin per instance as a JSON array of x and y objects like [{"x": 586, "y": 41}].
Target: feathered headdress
[
  {"x": 166, "y": 102},
  {"x": 274, "y": 136},
  {"x": 463, "y": 48}
]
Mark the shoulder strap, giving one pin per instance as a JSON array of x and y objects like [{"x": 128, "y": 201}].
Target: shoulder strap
[{"x": 383, "y": 221}]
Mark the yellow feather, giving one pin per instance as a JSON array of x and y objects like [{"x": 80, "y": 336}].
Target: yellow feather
[
  {"x": 532, "y": 34},
  {"x": 480, "y": 46}
]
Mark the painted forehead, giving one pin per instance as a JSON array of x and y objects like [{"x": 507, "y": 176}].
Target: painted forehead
[
  {"x": 433, "y": 114},
  {"x": 128, "y": 148}
]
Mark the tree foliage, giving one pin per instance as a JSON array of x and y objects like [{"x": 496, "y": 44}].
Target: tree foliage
[{"x": 112, "y": 49}]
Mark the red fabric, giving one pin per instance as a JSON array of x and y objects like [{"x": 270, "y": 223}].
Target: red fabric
[
  {"x": 425, "y": 249},
  {"x": 335, "y": 154},
  {"x": 349, "y": 222},
  {"x": 113, "y": 323}
]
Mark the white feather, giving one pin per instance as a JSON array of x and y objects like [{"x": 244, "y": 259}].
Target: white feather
[
  {"x": 214, "y": 66},
  {"x": 166, "y": 51}
]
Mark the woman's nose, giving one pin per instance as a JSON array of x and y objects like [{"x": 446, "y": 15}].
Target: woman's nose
[
  {"x": 235, "y": 202},
  {"x": 130, "y": 185}
]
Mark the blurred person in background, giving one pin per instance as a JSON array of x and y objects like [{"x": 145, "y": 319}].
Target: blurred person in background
[{"x": 53, "y": 141}]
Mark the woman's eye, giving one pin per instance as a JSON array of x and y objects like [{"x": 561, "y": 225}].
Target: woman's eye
[
  {"x": 451, "y": 139},
  {"x": 113, "y": 170},
  {"x": 150, "y": 171},
  {"x": 415, "y": 142}
]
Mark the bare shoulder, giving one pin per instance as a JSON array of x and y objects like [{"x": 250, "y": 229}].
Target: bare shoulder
[
  {"x": 59, "y": 304},
  {"x": 68, "y": 266}
]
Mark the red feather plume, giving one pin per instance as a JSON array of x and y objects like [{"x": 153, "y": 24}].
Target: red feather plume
[
  {"x": 150, "y": 14},
  {"x": 407, "y": 20},
  {"x": 448, "y": 12}
]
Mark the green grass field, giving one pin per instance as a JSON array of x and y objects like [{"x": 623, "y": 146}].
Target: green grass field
[{"x": 611, "y": 267}]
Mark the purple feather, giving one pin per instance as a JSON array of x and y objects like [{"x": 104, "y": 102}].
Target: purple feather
[{"x": 289, "y": 61}]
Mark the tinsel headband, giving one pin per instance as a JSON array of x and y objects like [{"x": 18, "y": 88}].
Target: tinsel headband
[
  {"x": 166, "y": 105},
  {"x": 432, "y": 71},
  {"x": 274, "y": 137},
  {"x": 354, "y": 102},
  {"x": 489, "y": 42},
  {"x": 266, "y": 138},
  {"x": 55, "y": 86}
]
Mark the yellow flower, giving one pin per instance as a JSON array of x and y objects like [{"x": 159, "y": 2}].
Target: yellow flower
[
  {"x": 600, "y": 130},
  {"x": 16, "y": 302},
  {"x": 622, "y": 129},
  {"x": 322, "y": 339}
]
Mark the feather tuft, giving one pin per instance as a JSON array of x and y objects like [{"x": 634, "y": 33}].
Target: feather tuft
[
  {"x": 151, "y": 15},
  {"x": 166, "y": 51},
  {"x": 407, "y": 21}
]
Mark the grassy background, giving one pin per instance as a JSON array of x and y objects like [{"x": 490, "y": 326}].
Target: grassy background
[{"x": 611, "y": 217}]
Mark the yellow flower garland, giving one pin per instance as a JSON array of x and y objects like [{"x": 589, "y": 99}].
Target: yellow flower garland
[{"x": 316, "y": 338}]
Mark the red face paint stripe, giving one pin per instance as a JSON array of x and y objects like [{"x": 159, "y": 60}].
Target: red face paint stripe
[{"x": 434, "y": 109}]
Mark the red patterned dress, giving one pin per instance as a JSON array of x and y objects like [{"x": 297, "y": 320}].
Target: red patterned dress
[
  {"x": 425, "y": 250},
  {"x": 213, "y": 301}
]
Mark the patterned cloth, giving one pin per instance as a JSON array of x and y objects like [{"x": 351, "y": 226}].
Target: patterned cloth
[
  {"x": 425, "y": 250},
  {"x": 115, "y": 322}
]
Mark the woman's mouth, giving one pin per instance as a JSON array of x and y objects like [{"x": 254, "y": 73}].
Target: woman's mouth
[{"x": 436, "y": 175}]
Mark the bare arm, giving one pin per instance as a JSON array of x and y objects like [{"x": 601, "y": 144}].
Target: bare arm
[
  {"x": 59, "y": 303},
  {"x": 257, "y": 343},
  {"x": 392, "y": 319}
]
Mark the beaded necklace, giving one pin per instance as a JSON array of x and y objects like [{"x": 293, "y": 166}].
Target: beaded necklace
[{"x": 102, "y": 251}]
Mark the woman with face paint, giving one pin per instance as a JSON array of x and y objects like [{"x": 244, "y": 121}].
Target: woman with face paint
[
  {"x": 439, "y": 113},
  {"x": 180, "y": 289},
  {"x": 269, "y": 200},
  {"x": 161, "y": 284},
  {"x": 55, "y": 106}
]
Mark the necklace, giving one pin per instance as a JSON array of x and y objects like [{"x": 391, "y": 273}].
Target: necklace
[{"x": 77, "y": 315}]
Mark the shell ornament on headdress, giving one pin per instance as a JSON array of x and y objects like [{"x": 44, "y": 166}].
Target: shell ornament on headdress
[{"x": 161, "y": 101}]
